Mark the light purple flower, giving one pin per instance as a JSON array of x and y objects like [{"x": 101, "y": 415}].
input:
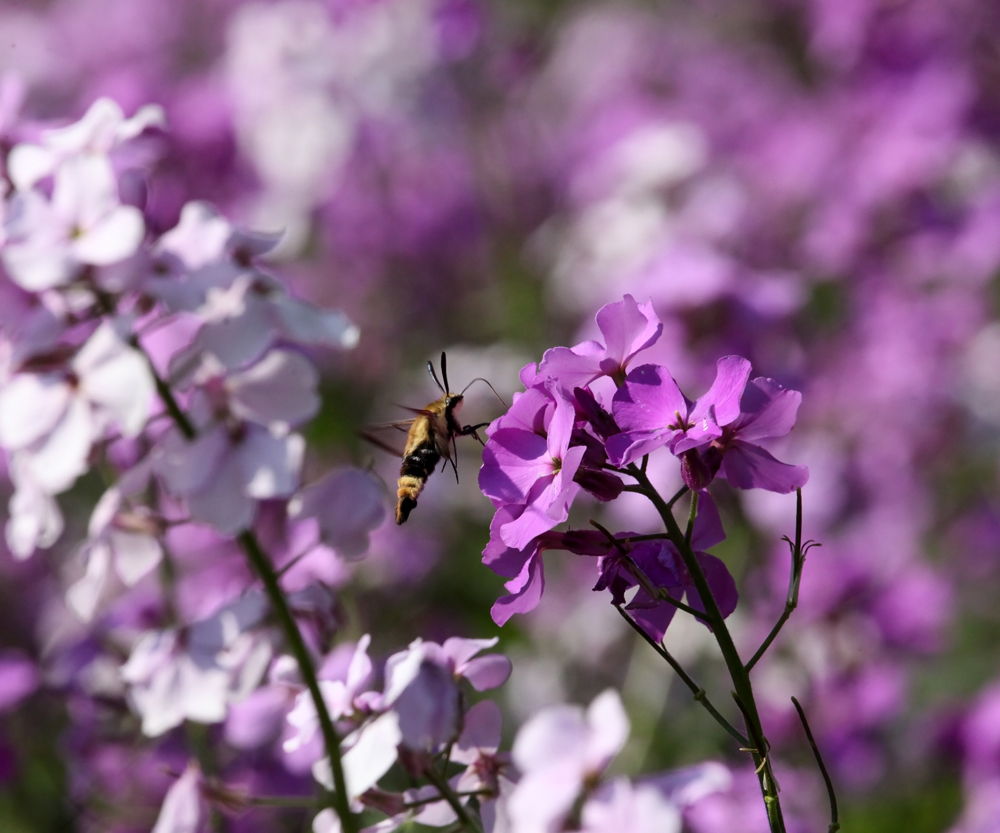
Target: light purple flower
[
  {"x": 652, "y": 412},
  {"x": 637, "y": 808},
  {"x": 222, "y": 476},
  {"x": 347, "y": 504},
  {"x": 84, "y": 224},
  {"x": 182, "y": 805},
  {"x": 367, "y": 753},
  {"x": 101, "y": 130},
  {"x": 489, "y": 772},
  {"x": 34, "y": 517},
  {"x": 125, "y": 540},
  {"x": 194, "y": 675},
  {"x": 50, "y": 420},
  {"x": 341, "y": 698},
  {"x": 558, "y": 751}
]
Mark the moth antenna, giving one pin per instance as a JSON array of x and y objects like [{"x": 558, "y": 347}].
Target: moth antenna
[
  {"x": 444, "y": 371},
  {"x": 497, "y": 395},
  {"x": 434, "y": 376}
]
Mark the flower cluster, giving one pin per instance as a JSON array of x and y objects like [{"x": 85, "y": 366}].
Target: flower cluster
[
  {"x": 589, "y": 417},
  {"x": 178, "y": 366}
]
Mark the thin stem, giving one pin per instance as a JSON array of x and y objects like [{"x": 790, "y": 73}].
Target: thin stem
[
  {"x": 834, "y": 817},
  {"x": 737, "y": 672},
  {"x": 660, "y": 593},
  {"x": 297, "y": 802},
  {"x": 423, "y": 802},
  {"x": 652, "y": 536},
  {"x": 692, "y": 514},
  {"x": 184, "y": 425},
  {"x": 262, "y": 566},
  {"x": 449, "y": 795},
  {"x": 698, "y": 692},
  {"x": 677, "y": 495},
  {"x": 764, "y": 771},
  {"x": 798, "y": 552}
]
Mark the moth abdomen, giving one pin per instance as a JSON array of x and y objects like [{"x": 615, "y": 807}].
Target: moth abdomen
[{"x": 417, "y": 466}]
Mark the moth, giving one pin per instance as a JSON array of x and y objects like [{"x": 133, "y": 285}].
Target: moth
[{"x": 430, "y": 438}]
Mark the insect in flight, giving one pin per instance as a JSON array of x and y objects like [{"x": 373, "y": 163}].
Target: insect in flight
[{"x": 431, "y": 437}]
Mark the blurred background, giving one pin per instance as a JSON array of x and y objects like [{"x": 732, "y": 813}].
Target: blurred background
[{"x": 813, "y": 184}]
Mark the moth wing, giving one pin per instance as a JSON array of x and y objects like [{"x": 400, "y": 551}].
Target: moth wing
[{"x": 371, "y": 434}]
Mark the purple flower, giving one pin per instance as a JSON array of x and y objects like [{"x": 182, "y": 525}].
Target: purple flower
[
  {"x": 652, "y": 412},
  {"x": 521, "y": 467},
  {"x": 767, "y": 410},
  {"x": 628, "y": 329}
]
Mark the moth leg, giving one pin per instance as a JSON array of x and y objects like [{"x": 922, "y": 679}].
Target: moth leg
[
  {"x": 470, "y": 431},
  {"x": 454, "y": 457}
]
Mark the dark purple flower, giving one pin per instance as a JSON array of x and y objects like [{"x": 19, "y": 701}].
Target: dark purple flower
[{"x": 661, "y": 567}]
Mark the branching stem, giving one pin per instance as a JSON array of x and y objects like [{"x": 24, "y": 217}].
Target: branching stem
[
  {"x": 699, "y": 693},
  {"x": 737, "y": 671}
]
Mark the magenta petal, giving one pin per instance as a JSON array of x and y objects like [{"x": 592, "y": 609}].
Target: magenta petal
[
  {"x": 720, "y": 582},
  {"x": 531, "y": 411},
  {"x": 513, "y": 461},
  {"x": 724, "y": 396},
  {"x": 501, "y": 559},
  {"x": 546, "y": 505},
  {"x": 561, "y": 426},
  {"x": 573, "y": 367},
  {"x": 488, "y": 672},
  {"x": 526, "y": 592},
  {"x": 769, "y": 410},
  {"x": 649, "y": 400},
  {"x": 624, "y": 449},
  {"x": 628, "y": 327},
  {"x": 751, "y": 467}
]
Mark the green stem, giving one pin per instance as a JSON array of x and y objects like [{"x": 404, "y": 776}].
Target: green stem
[
  {"x": 737, "y": 672},
  {"x": 794, "y": 579},
  {"x": 834, "y": 817},
  {"x": 449, "y": 795},
  {"x": 699, "y": 693},
  {"x": 262, "y": 566}
]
